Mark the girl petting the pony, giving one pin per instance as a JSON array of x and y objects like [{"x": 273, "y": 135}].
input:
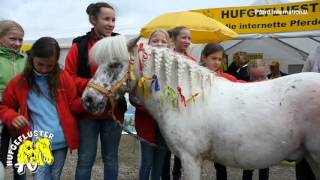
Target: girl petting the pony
[
  {"x": 181, "y": 39},
  {"x": 152, "y": 158},
  {"x": 91, "y": 127}
]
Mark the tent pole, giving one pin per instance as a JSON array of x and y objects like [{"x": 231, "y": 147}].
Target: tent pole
[{"x": 314, "y": 39}]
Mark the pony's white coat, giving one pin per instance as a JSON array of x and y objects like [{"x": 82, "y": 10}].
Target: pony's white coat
[
  {"x": 2, "y": 175},
  {"x": 251, "y": 125}
]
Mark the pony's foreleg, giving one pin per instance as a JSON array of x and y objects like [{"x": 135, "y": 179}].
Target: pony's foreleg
[{"x": 191, "y": 167}]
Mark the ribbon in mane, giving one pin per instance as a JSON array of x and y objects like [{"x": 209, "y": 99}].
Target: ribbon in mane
[
  {"x": 192, "y": 98},
  {"x": 156, "y": 83},
  {"x": 143, "y": 86},
  {"x": 142, "y": 55},
  {"x": 183, "y": 99},
  {"x": 169, "y": 94}
]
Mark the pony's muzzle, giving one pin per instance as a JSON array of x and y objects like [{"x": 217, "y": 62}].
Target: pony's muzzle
[{"x": 92, "y": 105}]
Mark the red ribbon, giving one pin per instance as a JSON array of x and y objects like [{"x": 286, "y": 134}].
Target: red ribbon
[
  {"x": 140, "y": 54},
  {"x": 183, "y": 99}
]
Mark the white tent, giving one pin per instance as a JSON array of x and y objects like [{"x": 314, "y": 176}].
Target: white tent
[
  {"x": 65, "y": 44},
  {"x": 291, "y": 48},
  {"x": 290, "y": 51}
]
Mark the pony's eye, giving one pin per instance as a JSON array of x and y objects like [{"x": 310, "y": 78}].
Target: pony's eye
[{"x": 115, "y": 65}]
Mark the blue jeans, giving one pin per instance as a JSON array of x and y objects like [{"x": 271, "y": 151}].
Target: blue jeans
[
  {"x": 52, "y": 172},
  {"x": 110, "y": 134},
  {"x": 152, "y": 159}
]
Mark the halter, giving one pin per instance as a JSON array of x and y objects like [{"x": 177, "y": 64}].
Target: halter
[
  {"x": 129, "y": 76},
  {"x": 123, "y": 81},
  {"x": 114, "y": 88}
]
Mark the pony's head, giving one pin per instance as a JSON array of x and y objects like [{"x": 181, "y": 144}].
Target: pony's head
[{"x": 107, "y": 85}]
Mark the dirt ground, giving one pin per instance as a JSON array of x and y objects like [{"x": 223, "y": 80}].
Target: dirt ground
[{"x": 128, "y": 167}]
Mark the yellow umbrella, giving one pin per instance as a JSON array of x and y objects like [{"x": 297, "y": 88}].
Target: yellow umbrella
[
  {"x": 25, "y": 47},
  {"x": 203, "y": 28}
]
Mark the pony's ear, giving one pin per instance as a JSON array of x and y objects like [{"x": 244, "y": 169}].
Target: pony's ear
[{"x": 132, "y": 43}]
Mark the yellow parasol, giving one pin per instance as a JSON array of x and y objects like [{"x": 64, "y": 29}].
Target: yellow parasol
[
  {"x": 203, "y": 28},
  {"x": 25, "y": 47}
]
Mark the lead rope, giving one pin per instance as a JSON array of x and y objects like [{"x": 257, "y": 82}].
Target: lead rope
[{"x": 134, "y": 135}]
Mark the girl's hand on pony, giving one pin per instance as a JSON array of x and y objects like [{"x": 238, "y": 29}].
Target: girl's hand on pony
[{"x": 20, "y": 122}]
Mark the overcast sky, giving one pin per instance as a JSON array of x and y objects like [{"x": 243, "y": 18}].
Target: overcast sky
[{"x": 67, "y": 18}]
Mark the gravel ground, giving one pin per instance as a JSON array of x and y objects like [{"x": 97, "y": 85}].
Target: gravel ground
[{"x": 128, "y": 158}]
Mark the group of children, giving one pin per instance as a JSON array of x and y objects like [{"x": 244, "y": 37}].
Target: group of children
[{"x": 38, "y": 95}]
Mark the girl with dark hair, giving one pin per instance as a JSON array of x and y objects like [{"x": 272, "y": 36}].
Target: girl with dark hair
[
  {"x": 43, "y": 98},
  {"x": 212, "y": 57},
  {"x": 12, "y": 63},
  {"x": 102, "y": 17}
]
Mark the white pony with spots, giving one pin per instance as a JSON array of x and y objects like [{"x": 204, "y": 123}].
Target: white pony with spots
[{"x": 245, "y": 125}]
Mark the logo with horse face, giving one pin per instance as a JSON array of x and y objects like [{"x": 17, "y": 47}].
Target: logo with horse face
[{"x": 31, "y": 154}]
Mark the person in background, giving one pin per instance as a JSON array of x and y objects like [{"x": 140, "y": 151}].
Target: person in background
[
  {"x": 257, "y": 70},
  {"x": 151, "y": 157},
  {"x": 212, "y": 58},
  {"x": 312, "y": 64},
  {"x": 239, "y": 67},
  {"x": 12, "y": 62},
  {"x": 275, "y": 70},
  {"x": 91, "y": 127},
  {"x": 181, "y": 39},
  {"x": 44, "y": 98}
]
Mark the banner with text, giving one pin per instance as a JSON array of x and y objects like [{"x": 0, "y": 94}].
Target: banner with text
[{"x": 292, "y": 17}]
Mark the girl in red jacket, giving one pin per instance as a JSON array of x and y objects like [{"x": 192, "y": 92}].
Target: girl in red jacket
[
  {"x": 212, "y": 58},
  {"x": 151, "y": 158},
  {"x": 43, "y": 98},
  {"x": 92, "y": 127}
]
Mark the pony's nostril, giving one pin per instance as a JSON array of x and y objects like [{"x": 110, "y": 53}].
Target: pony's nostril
[
  {"x": 101, "y": 104},
  {"x": 89, "y": 99}
]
